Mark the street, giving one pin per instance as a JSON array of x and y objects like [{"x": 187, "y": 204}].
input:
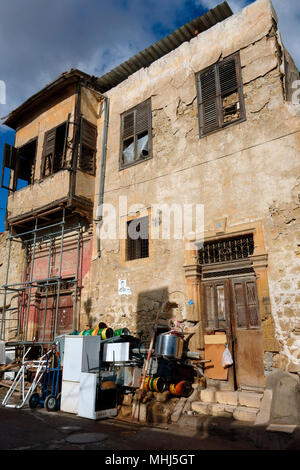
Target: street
[{"x": 26, "y": 429}]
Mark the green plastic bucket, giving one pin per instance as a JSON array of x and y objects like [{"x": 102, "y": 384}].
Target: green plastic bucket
[{"x": 121, "y": 331}]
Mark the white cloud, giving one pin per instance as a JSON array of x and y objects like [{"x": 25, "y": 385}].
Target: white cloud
[
  {"x": 236, "y": 5},
  {"x": 40, "y": 40}
]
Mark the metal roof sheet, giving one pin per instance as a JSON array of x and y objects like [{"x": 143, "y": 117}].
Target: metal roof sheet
[{"x": 164, "y": 46}]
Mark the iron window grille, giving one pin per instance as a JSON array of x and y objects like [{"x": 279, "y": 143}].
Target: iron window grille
[
  {"x": 137, "y": 239},
  {"x": 220, "y": 95},
  {"x": 231, "y": 249},
  {"x": 136, "y": 135}
]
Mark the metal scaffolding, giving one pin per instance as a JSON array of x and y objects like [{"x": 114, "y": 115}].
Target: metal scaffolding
[{"x": 31, "y": 240}]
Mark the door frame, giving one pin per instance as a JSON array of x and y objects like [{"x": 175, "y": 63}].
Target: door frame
[{"x": 228, "y": 280}]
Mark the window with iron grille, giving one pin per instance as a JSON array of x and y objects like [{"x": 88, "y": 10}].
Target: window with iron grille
[
  {"x": 220, "y": 95},
  {"x": 136, "y": 135},
  {"x": 231, "y": 249},
  {"x": 137, "y": 239}
]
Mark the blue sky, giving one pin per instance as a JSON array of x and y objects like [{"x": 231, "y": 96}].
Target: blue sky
[{"x": 39, "y": 39}]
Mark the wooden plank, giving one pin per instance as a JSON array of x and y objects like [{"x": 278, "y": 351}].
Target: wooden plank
[
  {"x": 215, "y": 339},
  {"x": 250, "y": 366},
  {"x": 215, "y": 370}
]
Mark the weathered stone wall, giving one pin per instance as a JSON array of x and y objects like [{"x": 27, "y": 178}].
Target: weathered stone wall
[{"x": 245, "y": 173}]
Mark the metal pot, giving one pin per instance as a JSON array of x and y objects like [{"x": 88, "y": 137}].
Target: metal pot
[{"x": 169, "y": 345}]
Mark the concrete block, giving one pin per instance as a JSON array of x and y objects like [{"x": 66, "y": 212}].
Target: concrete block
[
  {"x": 263, "y": 416},
  {"x": 201, "y": 408},
  {"x": 178, "y": 410},
  {"x": 286, "y": 397},
  {"x": 251, "y": 400},
  {"x": 208, "y": 395},
  {"x": 219, "y": 410},
  {"x": 227, "y": 398},
  {"x": 127, "y": 399},
  {"x": 245, "y": 414},
  {"x": 141, "y": 413},
  {"x": 285, "y": 428}
]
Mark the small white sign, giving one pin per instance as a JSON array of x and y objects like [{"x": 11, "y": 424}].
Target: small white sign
[{"x": 123, "y": 289}]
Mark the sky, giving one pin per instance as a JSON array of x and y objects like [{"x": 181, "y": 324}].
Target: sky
[{"x": 40, "y": 39}]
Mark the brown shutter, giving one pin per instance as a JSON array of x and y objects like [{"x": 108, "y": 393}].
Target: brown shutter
[
  {"x": 48, "y": 152},
  {"x": 228, "y": 78},
  {"x": 208, "y": 103},
  {"x": 49, "y": 143},
  {"x": 88, "y": 144},
  {"x": 128, "y": 125},
  {"x": 10, "y": 160},
  {"x": 89, "y": 134},
  {"x": 10, "y": 156},
  {"x": 142, "y": 118}
]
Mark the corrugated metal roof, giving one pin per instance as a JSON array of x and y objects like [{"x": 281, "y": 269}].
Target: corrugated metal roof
[{"x": 164, "y": 46}]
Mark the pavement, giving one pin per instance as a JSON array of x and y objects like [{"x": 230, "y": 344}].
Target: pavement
[
  {"x": 27, "y": 429},
  {"x": 262, "y": 437},
  {"x": 37, "y": 429}
]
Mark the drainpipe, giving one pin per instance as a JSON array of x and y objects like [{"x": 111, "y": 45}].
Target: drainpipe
[{"x": 99, "y": 218}]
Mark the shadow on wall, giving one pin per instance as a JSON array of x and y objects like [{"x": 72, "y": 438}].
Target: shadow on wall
[{"x": 148, "y": 304}]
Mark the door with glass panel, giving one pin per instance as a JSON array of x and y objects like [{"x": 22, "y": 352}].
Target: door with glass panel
[{"x": 231, "y": 306}]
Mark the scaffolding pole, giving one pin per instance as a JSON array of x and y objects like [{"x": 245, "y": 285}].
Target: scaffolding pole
[
  {"x": 5, "y": 294},
  {"x": 25, "y": 287}
]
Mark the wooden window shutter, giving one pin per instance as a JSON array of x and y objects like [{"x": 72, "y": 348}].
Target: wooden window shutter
[
  {"x": 88, "y": 145},
  {"x": 228, "y": 76},
  {"x": 208, "y": 100},
  {"x": 10, "y": 160},
  {"x": 136, "y": 134},
  {"x": 48, "y": 152},
  {"x": 142, "y": 118},
  {"x": 10, "y": 156},
  {"x": 88, "y": 134},
  {"x": 220, "y": 95},
  {"x": 128, "y": 125},
  {"x": 49, "y": 143}
]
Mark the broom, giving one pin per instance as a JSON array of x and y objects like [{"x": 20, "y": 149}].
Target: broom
[{"x": 138, "y": 396}]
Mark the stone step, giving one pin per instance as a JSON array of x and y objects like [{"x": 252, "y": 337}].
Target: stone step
[
  {"x": 248, "y": 399},
  {"x": 239, "y": 413},
  {"x": 243, "y": 413}
]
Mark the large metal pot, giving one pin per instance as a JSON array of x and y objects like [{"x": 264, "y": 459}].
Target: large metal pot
[{"x": 169, "y": 345}]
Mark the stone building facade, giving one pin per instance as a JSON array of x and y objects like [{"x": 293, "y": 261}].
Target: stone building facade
[{"x": 210, "y": 124}]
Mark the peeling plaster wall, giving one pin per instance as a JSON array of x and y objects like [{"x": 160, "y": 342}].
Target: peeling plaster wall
[{"x": 241, "y": 174}]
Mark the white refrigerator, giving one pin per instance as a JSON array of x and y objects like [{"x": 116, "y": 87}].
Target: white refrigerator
[{"x": 81, "y": 354}]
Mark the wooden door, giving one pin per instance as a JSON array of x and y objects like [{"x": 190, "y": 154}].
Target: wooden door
[
  {"x": 46, "y": 317},
  {"x": 247, "y": 334},
  {"x": 231, "y": 305},
  {"x": 216, "y": 314}
]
